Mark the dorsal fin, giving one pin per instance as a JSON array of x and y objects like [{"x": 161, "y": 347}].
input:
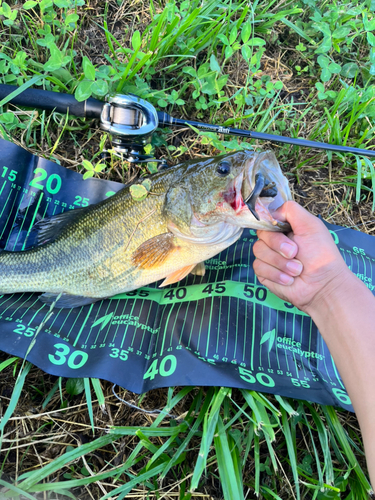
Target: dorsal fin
[{"x": 47, "y": 230}]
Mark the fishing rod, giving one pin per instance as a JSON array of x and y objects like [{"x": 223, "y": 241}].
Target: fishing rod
[{"x": 131, "y": 121}]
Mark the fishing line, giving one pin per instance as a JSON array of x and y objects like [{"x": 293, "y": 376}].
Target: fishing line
[{"x": 149, "y": 412}]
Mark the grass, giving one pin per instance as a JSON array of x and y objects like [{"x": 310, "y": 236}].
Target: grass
[{"x": 305, "y": 70}]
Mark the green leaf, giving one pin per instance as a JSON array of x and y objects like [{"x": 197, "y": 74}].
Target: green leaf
[
  {"x": 7, "y": 11},
  {"x": 87, "y": 388},
  {"x": 349, "y": 70},
  {"x": 152, "y": 167},
  {"x": 325, "y": 46},
  {"x": 334, "y": 68},
  {"x": 298, "y": 30},
  {"x": 88, "y": 165},
  {"x": 190, "y": 71},
  {"x": 228, "y": 52},
  {"x": 18, "y": 386},
  {"x": 138, "y": 192},
  {"x": 325, "y": 75},
  {"x": 147, "y": 184},
  {"x": 88, "y": 68},
  {"x": 45, "y": 5},
  {"x": 47, "y": 41},
  {"x": 55, "y": 61},
  {"x": 371, "y": 38},
  {"x": 75, "y": 386},
  {"x": 136, "y": 40},
  {"x": 246, "y": 53},
  {"x": 228, "y": 463},
  {"x": 83, "y": 91},
  {"x": 29, "y": 5},
  {"x": 71, "y": 19},
  {"x": 100, "y": 87},
  {"x": 246, "y": 31},
  {"x": 61, "y": 4},
  {"x": 214, "y": 65},
  {"x": 233, "y": 35},
  {"x": 341, "y": 32},
  {"x": 323, "y": 61},
  {"x": 223, "y": 39},
  {"x": 256, "y": 42},
  {"x": 7, "y": 362}
]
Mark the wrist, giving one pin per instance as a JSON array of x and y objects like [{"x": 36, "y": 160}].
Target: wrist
[{"x": 338, "y": 292}]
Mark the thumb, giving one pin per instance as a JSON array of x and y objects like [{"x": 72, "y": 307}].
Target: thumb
[{"x": 301, "y": 221}]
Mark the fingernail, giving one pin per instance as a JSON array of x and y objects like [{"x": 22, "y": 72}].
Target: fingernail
[
  {"x": 287, "y": 250},
  {"x": 295, "y": 267},
  {"x": 285, "y": 279}
]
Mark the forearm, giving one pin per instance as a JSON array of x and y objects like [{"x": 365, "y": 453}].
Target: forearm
[{"x": 351, "y": 341}]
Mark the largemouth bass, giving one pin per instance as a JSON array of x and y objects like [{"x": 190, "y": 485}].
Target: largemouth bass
[{"x": 192, "y": 212}]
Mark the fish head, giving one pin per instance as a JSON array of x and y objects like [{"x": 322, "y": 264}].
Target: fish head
[{"x": 244, "y": 188}]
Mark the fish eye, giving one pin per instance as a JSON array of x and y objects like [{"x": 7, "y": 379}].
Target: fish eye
[{"x": 223, "y": 168}]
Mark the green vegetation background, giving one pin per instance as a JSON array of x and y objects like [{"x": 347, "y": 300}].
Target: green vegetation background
[{"x": 301, "y": 69}]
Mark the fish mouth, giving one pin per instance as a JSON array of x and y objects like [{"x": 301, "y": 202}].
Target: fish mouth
[{"x": 265, "y": 189}]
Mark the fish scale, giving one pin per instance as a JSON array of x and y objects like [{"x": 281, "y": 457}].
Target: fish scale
[{"x": 192, "y": 212}]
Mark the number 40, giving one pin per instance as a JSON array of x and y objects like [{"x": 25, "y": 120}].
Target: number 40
[{"x": 154, "y": 370}]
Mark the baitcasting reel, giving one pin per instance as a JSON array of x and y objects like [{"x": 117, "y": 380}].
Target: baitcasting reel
[{"x": 131, "y": 121}]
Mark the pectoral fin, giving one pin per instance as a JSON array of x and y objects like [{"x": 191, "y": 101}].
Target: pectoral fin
[
  {"x": 154, "y": 251},
  {"x": 199, "y": 269},
  {"x": 177, "y": 275}
]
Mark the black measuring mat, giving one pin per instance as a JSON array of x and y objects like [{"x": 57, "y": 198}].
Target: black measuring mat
[{"x": 221, "y": 329}]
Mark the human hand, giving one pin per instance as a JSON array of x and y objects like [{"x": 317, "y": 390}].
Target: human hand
[{"x": 302, "y": 267}]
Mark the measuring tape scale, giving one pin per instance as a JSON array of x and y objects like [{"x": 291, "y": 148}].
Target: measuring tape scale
[
  {"x": 118, "y": 330},
  {"x": 223, "y": 329}
]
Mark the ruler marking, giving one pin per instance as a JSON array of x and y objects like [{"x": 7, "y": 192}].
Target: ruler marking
[
  {"x": 126, "y": 326},
  {"x": 10, "y": 305},
  {"x": 253, "y": 339},
  {"x": 209, "y": 327},
  {"x": 236, "y": 333},
  {"x": 83, "y": 324},
  {"x": 33, "y": 219},
  {"x": 8, "y": 220},
  {"x": 165, "y": 330},
  {"x": 174, "y": 324}
]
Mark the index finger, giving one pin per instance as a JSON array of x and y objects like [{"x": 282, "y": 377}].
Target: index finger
[{"x": 279, "y": 242}]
